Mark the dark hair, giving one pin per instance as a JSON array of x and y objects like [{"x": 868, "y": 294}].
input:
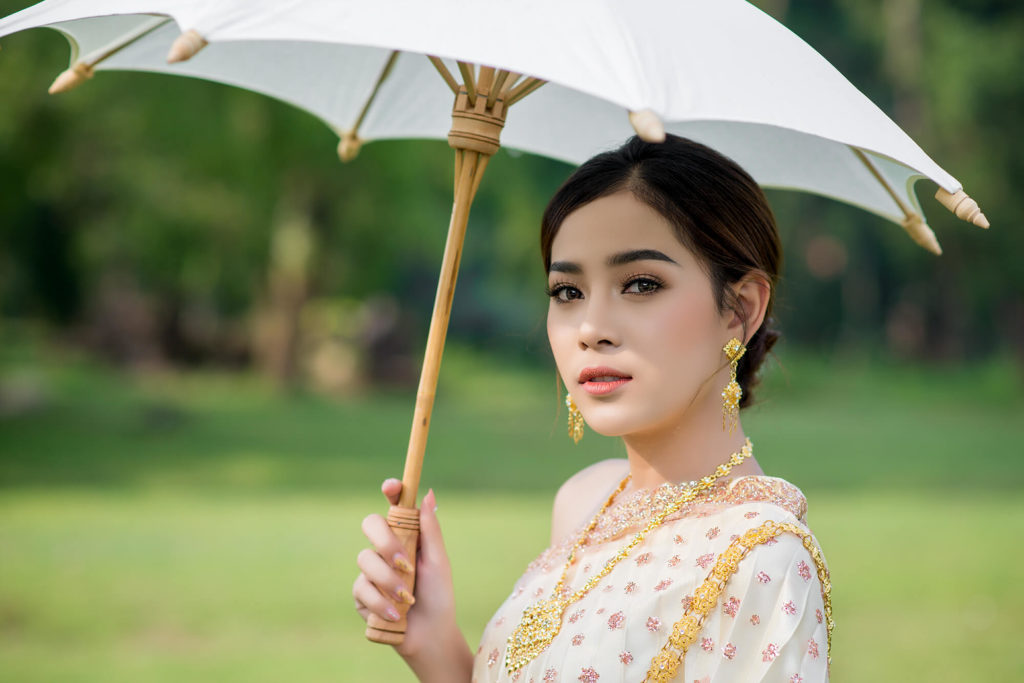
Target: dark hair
[{"x": 718, "y": 211}]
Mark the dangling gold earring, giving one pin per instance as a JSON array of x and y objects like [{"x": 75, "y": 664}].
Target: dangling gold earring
[
  {"x": 575, "y": 419},
  {"x": 733, "y": 392}
]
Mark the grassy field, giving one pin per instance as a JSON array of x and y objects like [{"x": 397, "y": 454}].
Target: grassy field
[{"x": 200, "y": 528}]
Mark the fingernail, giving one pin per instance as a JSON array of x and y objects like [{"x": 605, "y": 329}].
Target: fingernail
[
  {"x": 401, "y": 563},
  {"x": 405, "y": 596},
  {"x": 433, "y": 499},
  {"x": 393, "y": 614}
]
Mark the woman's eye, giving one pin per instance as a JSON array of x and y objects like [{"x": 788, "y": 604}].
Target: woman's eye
[
  {"x": 564, "y": 293},
  {"x": 642, "y": 285}
]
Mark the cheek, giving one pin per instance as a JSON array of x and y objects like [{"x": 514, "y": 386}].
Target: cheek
[{"x": 683, "y": 335}]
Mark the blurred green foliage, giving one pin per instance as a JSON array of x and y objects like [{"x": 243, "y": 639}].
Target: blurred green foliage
[{"x": 172, "y": 187}]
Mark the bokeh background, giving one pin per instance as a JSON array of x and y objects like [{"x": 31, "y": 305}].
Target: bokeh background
[{"x": 210, "y": 331}]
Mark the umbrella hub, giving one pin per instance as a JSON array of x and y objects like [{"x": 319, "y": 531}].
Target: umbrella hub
[{"x": 475, "y": 126}]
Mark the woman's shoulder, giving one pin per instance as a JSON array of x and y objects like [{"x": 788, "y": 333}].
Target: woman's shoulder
[
  {"x": 763, "y": 489},
  {"x": 583, "y": 493}
]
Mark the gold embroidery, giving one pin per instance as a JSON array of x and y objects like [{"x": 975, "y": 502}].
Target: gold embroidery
[
  {"x": 636, "y": 510},
  {"x": 665, "y": 664}
]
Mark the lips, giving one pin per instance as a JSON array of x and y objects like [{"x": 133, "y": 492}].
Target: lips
[{"x": 602, "y": 380}]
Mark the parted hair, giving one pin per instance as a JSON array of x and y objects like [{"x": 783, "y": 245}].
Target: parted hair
[{"x": 717, "y": 210}]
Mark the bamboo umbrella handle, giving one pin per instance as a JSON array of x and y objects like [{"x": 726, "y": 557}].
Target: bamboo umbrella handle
[
  {"x": 405, "y": 523},
  {"x": 474, "y": 135}
]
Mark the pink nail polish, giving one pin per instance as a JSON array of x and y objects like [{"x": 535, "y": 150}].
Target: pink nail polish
[{"x": 393, "y": 614}]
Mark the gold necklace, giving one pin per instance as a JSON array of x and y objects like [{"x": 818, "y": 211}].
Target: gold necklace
[{"x": 542, "y": 622}]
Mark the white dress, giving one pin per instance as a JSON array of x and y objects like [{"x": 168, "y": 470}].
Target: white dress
[{"x": 764, "y": 615}]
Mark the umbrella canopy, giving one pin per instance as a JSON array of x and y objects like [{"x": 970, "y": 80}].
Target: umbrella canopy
[{"x": 720, "y": 72}]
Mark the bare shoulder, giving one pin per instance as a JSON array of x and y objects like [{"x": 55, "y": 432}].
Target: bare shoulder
[{"x": 583, "y": 493}]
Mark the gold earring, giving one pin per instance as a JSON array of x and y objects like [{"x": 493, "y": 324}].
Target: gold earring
[
  {"x": 575, "y": 419},
  {"x": 733, "y": 392}
]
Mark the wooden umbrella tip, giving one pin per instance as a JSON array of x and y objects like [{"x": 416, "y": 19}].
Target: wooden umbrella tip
[
  {"x": 70, "y": 78},
  {"x": 349, "y": 146},
  {"x": 186, "y": 46},
  {"x": 921, "y": 233},
  {"x": 962, "y": 206},
  {"x": 647, "y": 125}
]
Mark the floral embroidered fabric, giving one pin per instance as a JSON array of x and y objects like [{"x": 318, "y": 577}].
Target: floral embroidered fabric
[{"x": 768, "y": 625}]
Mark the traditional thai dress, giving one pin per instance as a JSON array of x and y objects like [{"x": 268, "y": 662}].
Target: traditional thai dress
[{"x": 735, "y": 574}]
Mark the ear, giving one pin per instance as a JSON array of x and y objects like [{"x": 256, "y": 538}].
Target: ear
[{"x": 751, "y": 295}]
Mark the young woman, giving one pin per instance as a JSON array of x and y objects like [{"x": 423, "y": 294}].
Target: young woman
[{"x": 682, "y": 561}]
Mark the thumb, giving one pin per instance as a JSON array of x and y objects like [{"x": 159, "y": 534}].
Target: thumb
[{"x": 431, "y": 541}]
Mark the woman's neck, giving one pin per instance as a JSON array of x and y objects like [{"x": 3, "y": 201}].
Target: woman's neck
[{"x": 688, "y": 450}]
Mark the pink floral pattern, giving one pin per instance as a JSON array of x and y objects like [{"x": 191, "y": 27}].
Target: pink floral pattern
[{"x": 668, "y": 583}]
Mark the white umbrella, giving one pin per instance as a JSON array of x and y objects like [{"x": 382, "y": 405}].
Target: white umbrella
[{"x": 718, "y": 71}]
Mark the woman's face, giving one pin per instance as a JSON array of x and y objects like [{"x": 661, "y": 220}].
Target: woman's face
[{"x": 632, "y": 321}]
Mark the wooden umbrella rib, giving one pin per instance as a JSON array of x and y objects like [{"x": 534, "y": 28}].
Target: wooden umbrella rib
[
  {"x": 523, "y": 89},
  {"x": 445, "y": 73},
  {"x": 509, "y": 84},
  {"x": 127, "y": 39},
  {"x": 385, "y": 72},
  {"x": 907, "y": 213},
  {"x": 82, "y": 69},
  {"x": 499, "y": 83},
  {"x": 469, "y": 81},
  {"x": 912, "y": 222}
]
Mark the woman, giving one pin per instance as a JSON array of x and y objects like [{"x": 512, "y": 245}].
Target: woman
[{"x": 682, "y": 561}]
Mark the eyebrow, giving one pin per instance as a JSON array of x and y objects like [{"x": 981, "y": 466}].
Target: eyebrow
[{"x": 619, "y": 259}]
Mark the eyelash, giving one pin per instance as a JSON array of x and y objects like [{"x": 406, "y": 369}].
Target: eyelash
[{"x": 555, "y": 290}]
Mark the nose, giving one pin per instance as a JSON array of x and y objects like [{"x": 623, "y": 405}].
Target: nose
[{"x": 597, "y": 328}]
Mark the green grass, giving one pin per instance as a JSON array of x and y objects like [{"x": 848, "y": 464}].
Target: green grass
[
  {"x": 169, "y": 527},
  {"x": 112, "y": 587}
]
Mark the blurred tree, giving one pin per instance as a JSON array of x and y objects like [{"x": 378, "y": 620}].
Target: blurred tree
[{"x": 139, "y": 191}]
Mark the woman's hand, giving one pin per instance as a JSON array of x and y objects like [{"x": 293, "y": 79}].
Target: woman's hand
[{"x": 433, "y": 646}]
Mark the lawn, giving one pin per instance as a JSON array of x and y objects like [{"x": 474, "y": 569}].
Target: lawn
[{"x": 198, "y": 527}]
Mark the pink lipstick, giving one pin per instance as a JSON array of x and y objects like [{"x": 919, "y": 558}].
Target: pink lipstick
[{"x": 598, "y": 381}]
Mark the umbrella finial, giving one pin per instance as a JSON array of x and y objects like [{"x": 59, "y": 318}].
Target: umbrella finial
[
  {"x": 961, "y": 204},
  {"x": 186, "y": 46},
  {"x": 647, "y": 125},
  {"x": 71, "y": 78},
  {"x": 921, "y": 233},
  {"x": 349, "y": 146}
]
